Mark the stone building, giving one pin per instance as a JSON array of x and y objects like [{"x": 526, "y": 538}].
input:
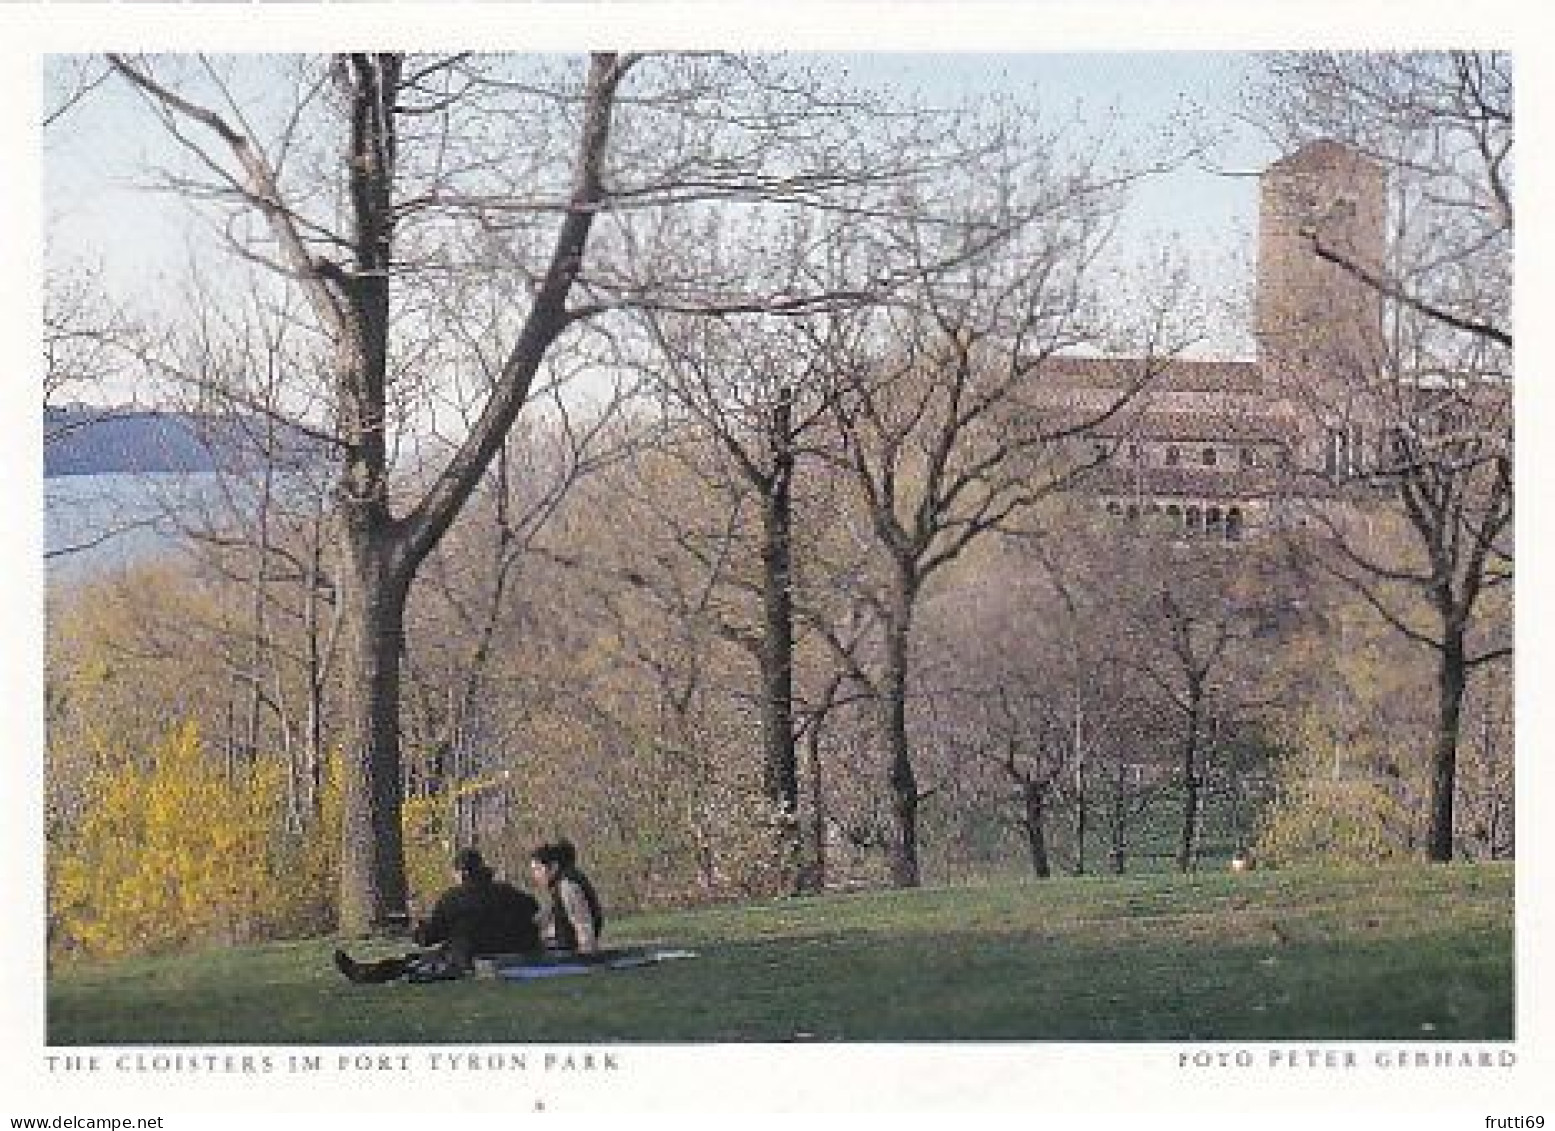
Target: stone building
[{"x": 1222, "y": 449}]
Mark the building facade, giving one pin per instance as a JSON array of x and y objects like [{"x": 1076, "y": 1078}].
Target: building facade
[{"x": 1224, "y": 449}]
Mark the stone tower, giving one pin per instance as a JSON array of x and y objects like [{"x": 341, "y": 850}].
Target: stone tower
[{"x": 1319, "y": 326}]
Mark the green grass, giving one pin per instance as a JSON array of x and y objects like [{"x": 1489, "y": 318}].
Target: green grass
[{"x": 1395, "y": 953}]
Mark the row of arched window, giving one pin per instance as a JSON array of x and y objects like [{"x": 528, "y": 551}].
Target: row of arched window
[
  {"x": 1212, "y": 521},
  {"x": 1177, "y": 455}
]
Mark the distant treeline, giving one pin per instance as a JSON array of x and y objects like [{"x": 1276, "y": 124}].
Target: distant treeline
[{"x": 91, "y": 440}]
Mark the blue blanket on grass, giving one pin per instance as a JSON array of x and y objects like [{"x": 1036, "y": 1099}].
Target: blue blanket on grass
[{"x": 525, "y": 970}]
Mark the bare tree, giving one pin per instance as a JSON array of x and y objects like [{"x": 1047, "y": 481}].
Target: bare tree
[
  {"x": 937, "y": 404},
  {"x": 87, "y": 335},
  {"x": 1436, "y": 387},
  {"x": 1008, "y": 725},
  {"x": 760, "y": 388},
  {"x": 469, "y": 582},
  {"x": 657, "y": 553},
  {"x": 456, "y": 164},
  {"x": 748, "y": 386},
  {"x": 1188, "y": 626}
]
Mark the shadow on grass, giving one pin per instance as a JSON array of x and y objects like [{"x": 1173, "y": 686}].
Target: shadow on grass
[{"x": 824, "y": 986}]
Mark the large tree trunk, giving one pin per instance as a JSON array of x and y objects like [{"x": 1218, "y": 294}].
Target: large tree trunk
[
  {"x": 902, "y": 852},
  {"x": 812, "y": 872},
  {"x": 372, "y": 870},
  {"x": 372, "y": 860},
  {"x": 780, "y": 763},
  {"x": 1451, "y": 679}
]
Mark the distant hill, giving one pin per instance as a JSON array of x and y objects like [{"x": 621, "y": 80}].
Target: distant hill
[{"x": 89, "y": 440}]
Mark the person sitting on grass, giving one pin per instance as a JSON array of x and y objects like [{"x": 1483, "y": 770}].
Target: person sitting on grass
[
  {"x": 479, "y": 916},
  {"x": 573, "y": 919}
]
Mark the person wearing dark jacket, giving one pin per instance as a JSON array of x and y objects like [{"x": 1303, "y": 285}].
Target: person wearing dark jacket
[
  {"x": 480, "y": 915},
  {"x": 573, "y": 919}
]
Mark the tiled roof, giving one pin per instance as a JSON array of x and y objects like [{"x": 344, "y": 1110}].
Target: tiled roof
[
  {"x": 1178, "y": 376},
  {"x": 1218, "y": 427},
  {"x": 1136, "y": 422}
]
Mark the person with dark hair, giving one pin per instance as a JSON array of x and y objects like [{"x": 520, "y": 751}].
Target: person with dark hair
[
  {"x": 573, "y": 919},
  {"x": 480, "y": 915}
]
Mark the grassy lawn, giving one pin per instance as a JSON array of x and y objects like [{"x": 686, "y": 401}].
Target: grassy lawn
[{"x": 1396, "y": 953}]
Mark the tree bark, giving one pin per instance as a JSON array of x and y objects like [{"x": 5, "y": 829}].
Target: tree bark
[
  {"x": 1451, "y": 680},
  {"x": 372, "y": 861},
  {"x": 1033, "y": 813},
  {"x": 372, "y": 872},
  {"x": 1081, "y": 805},
  {"x": 1187, "y": 847},
  {"x": 903, "y": 849},
  {"x": 310, "y": 775},
  {"x": 780, "y": 763},
  {"x": 812, "y": 873}
]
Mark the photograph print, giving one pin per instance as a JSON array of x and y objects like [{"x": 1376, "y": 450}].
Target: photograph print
[{"x": 774, "y": 548}]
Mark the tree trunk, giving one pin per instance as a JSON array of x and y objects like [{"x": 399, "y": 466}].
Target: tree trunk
[
  {"x": 372, "y": 871},
  {"x": 780, "y": 763},
  {"x": 1032, "y": 815},
  {"x": 902, "y": 853},
  {"x": 311, "y": 786},
  {"x": 1081, "y": 808},
  {"x": 372, "y": 858},
  {"x": 1187, "y": 847},
  {"x": 1117, "y": 850},
  {"x": 1451, "y": 679},
  {"x": 812, "y": 873}
]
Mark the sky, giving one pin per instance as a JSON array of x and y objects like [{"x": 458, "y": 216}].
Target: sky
[{"x": 100, "y": 210}]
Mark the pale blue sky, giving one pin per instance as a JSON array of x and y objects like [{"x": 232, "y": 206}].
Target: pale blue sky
[{"x": 94, "y": 161}]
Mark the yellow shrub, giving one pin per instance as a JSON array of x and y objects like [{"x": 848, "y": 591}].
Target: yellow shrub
[
  {"x": 428, "y": 848},
  {"x": 1335, "y": 822},
  {"x": 311, "y": 863},
  {"x": 167, "y": 849},
  {"x": 175, "y": 850},
  {"x": 1340, "y": 799}
]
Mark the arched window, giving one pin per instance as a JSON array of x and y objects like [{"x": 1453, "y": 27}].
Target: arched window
[{"x": 1234, "y": 524}]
